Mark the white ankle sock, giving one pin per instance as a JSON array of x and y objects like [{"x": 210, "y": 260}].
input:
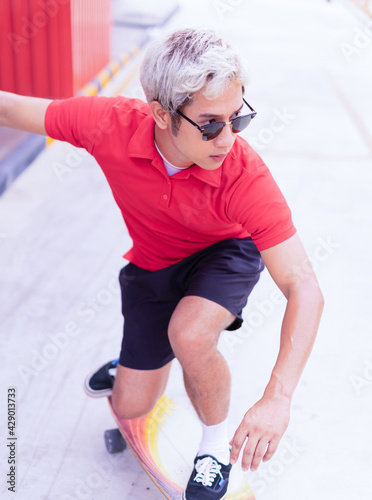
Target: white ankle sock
[{"x": 215, "y": 441}]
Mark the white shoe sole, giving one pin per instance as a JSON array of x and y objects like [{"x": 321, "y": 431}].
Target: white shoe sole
[
  {"x": 95, "y": 394},
  {"x": 184, "y": 496}
]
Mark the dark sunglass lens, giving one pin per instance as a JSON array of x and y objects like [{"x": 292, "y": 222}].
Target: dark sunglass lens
[
  {"x": 240, "y": 123},
  {"x": 212, "y": 131}
]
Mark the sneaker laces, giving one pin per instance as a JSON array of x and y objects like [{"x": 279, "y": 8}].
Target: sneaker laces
[{"x": 207, "y": 469}]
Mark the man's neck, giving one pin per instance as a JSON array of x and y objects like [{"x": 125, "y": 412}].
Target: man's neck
[{"x": 168, "y": 149}]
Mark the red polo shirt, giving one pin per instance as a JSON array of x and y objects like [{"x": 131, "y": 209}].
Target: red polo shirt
[{"x": 171, "y": 218}]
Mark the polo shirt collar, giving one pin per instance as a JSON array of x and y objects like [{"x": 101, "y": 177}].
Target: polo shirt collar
[
  {"x": 211, "y": 177},
  {"x": 142, "y": 145}
]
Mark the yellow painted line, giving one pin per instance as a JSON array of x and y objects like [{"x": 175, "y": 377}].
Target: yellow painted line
[
  {"x": 124, "y": 58},
  {"x": 91, "y": 90},
  {"x": 127, "y": 80},
  {"x": 114, "y": 66},
  {"x": 104, "y": 78}
]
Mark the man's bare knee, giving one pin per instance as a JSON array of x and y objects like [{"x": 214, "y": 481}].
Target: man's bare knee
[
  {"x": 136, "y": 392},
  {"x": 195, "y": 328},
  {"x": 190, "y": 344},
  {"x": 131, "y": 408}
]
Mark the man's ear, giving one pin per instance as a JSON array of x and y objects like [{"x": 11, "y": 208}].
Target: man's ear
[{"x": 161, "y": 117}]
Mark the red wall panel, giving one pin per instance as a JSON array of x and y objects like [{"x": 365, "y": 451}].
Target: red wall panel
[
  {"x": 54, "y": 63},
  {"x": 7, "y": 70},
  {"x": 52, "y": 48},
  {"x": 22, "y": 32},
  {"x": 39, "y": 18},
  {"x": 91, "y": 27},
  {"x": 63, "y": 51}
]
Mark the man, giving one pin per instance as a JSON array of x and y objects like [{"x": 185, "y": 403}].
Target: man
[{"x": 204, "y": 214}]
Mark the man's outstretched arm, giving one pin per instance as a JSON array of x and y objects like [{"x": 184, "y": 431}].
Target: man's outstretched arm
[
  {"x": 23, "y": 113},
  {"x": 265, "y": 423}
]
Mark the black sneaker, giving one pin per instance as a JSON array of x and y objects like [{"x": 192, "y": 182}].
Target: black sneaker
[
  {"x": 100, "y": 382},
  {"x": 208, "y": 481}
]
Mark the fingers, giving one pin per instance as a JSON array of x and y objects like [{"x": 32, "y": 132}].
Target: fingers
[
  {"x": 256, "y": 450},
  {"x": 237, "y": 443},
  {"x": 260, "y": 432},
  {"x": 254, "y": 461},
  {"x": 271, "y": 449}
]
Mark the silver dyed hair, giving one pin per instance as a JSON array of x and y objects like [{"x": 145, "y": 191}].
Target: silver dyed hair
[{"x": 186, "y": 62}]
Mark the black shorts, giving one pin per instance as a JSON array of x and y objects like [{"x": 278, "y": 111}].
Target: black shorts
[{"x": 225, "y": 273}]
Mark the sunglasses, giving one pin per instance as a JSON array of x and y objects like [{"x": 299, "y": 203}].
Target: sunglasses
[{"x": 213, "y": 130}]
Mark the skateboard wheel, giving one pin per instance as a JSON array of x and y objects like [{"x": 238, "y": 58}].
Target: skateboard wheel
[{"x": 114, "y": 441}]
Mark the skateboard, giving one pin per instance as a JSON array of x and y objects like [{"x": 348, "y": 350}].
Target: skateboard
[{"x": 165, "y": 443}]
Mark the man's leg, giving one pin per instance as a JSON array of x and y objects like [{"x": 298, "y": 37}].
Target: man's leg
[
  {"x": 194, "y": 330},
  {"x": 136, "y": 392}
]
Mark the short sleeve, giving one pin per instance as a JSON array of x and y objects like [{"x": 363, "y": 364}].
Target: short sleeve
[
  {"x": 81, "y": 121},
  {"x": 260, "y": 207}
]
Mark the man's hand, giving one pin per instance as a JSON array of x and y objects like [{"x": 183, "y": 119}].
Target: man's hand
[{"x": 264, "y": 425}]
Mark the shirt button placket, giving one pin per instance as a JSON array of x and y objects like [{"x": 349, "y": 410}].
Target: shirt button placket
[{"x": 165, "y": 199}]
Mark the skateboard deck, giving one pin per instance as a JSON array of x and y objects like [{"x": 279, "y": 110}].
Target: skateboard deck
[{"x": 165, "y": 443}]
